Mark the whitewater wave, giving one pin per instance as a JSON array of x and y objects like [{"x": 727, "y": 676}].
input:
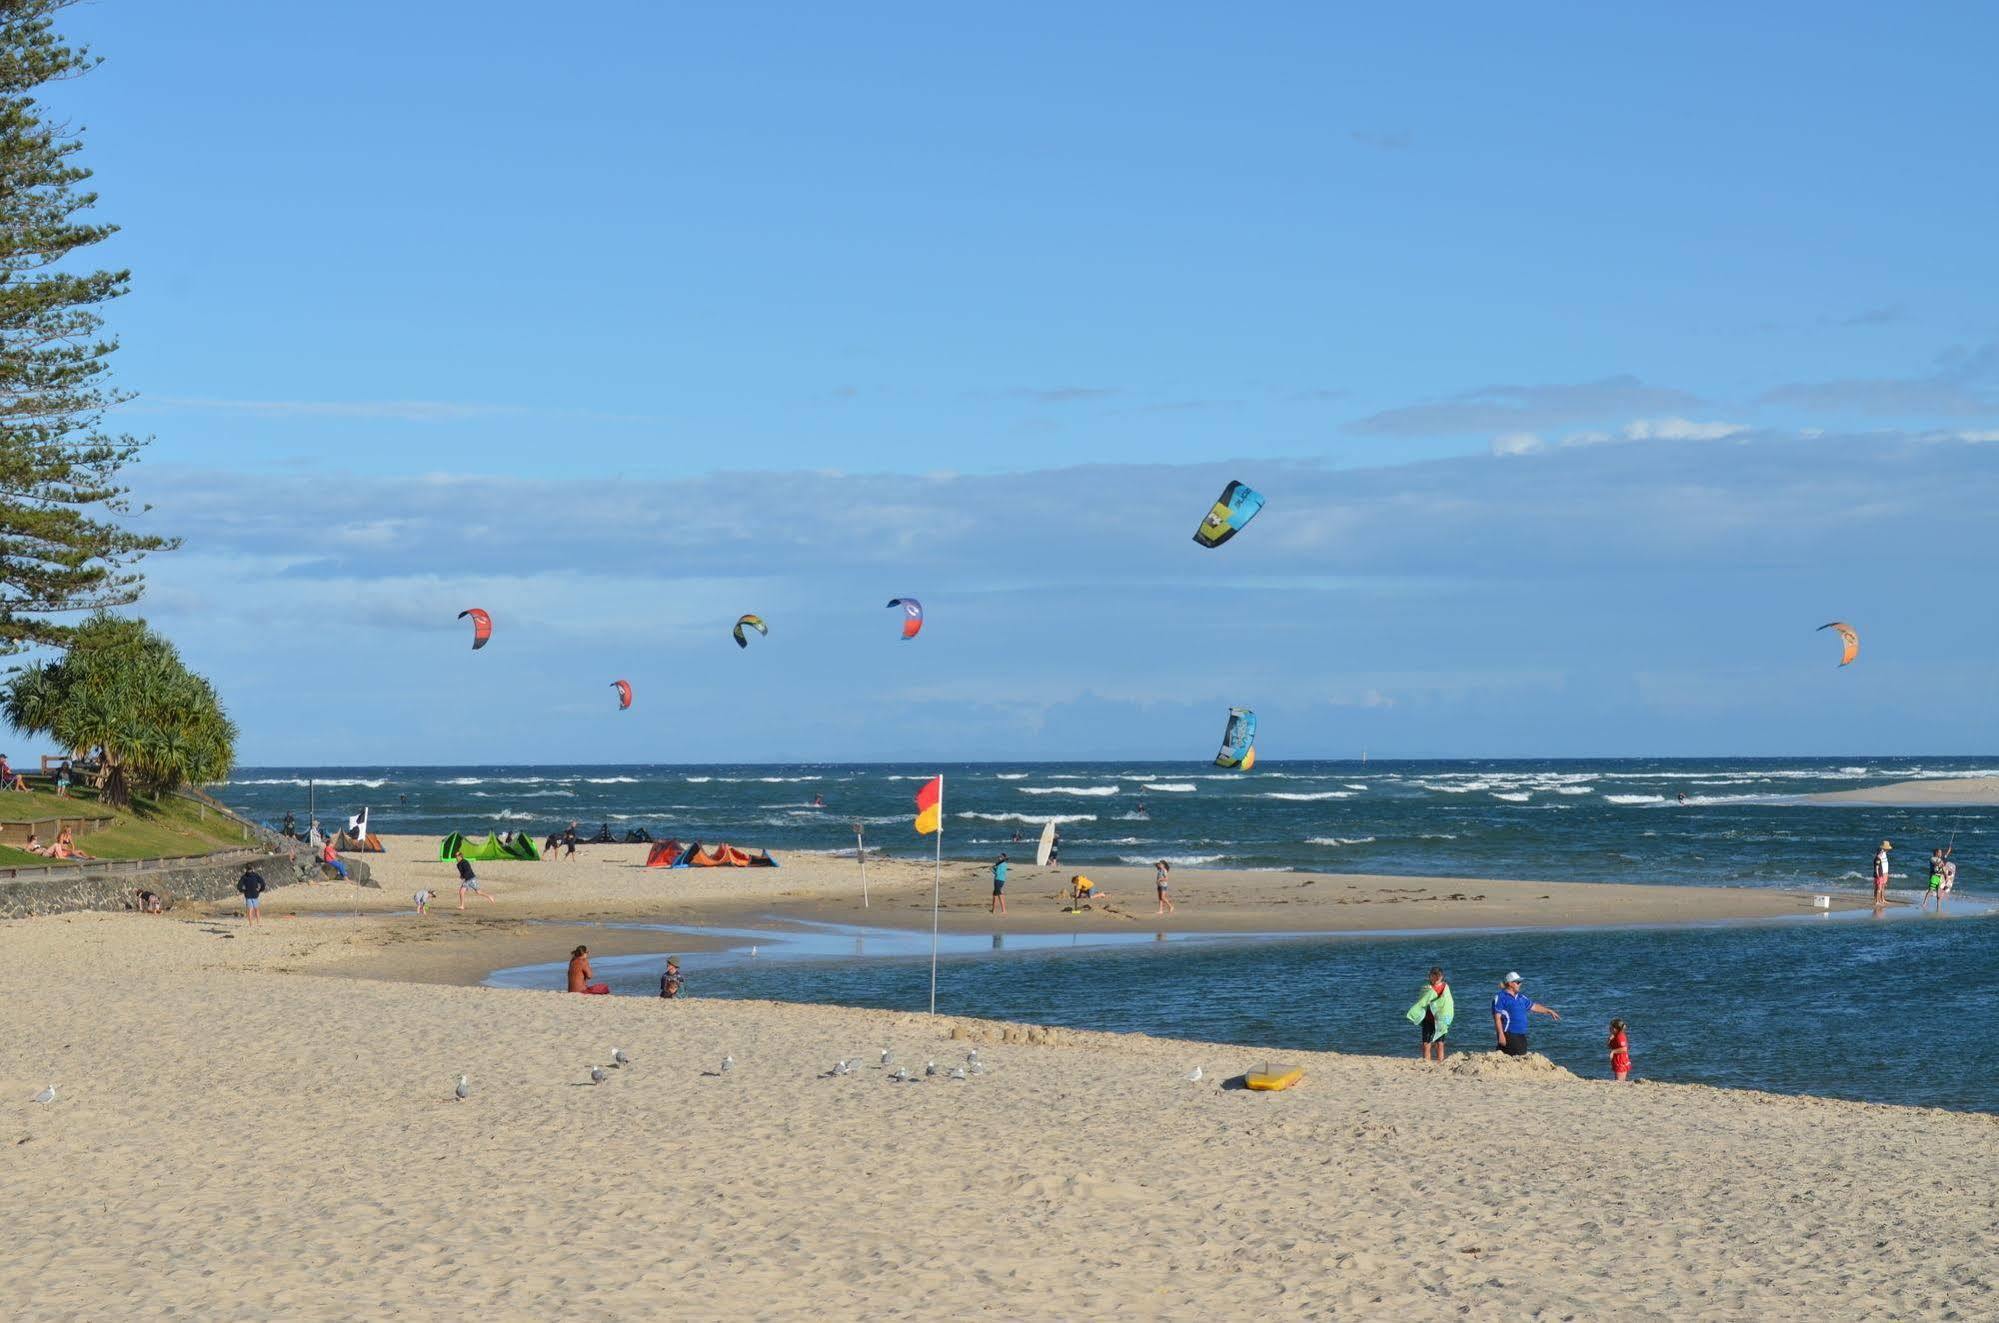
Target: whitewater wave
[
  {"x": 1575, "y": 790},
  {"x": 1634, "y": 799},
  {"x": 1512, "y": 796},
  {"x": 612, "y": 780},
  {"x": 1033, "y": 819},
  {"x": 1012, "y": 776},
  {"x": 1067, "y": 790},
  {"x": 1339, "y": 840},
  {"x": 699, "y": 780},
  {"x": 1172, "y": 787},
  {"x": 363, "y": 782},
  {"x": 1177, "y": 860},
  {"x": 1307, "y": 796}
]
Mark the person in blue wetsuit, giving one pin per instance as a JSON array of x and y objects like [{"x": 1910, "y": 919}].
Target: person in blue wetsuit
[{"x": 1510, "y": 1010}]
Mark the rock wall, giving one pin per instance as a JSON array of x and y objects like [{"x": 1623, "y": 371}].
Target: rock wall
[{"x": 101, "y": 887}]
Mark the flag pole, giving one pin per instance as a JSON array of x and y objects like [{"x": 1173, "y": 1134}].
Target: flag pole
[
  {"x": 861, "y": 853},
  {"x": 936, "y": 890}
]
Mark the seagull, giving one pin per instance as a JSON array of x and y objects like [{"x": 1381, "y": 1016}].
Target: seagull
[
  {"x": 1194, "y": 1075},
  {"x": 901, "y": 1076},
  {"x": 972, "y": 1057},
  {"x": 930, "y": 1068},
  {"x": 840, "y": 1067},
  {"x": 728, "y": 1064},
  {"x": 978, "y": 1067},
  {"x": 887, "y": 1056},
  {"x": 598, "y": 1074},
  {"x": 619, "y": 1058},
  {"x": 47, "y": 1095},
  {"x": 464, "y": 1089},
  {"x": 957, "y": 1072}
]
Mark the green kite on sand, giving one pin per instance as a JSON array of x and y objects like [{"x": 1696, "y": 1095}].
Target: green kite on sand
[{"x": 521, "y": 847}]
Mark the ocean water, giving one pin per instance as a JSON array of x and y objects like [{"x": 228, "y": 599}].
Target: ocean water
[
  {"x": 1609, "y": 820},
  {"x": 1890, "y": 1009}
]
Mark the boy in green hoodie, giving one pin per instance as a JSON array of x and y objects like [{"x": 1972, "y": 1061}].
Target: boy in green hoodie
[{"x": 1434, "y": 1010}]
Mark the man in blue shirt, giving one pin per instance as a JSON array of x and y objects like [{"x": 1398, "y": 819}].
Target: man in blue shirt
[
  {"x": 999, "y": 886},
  {"x": 1510, "y": 1010}
]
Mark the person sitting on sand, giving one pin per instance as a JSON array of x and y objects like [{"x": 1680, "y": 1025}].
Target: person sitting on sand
[
  {"x": 1510, "y": 1010},
  {"x": 1620, "y": 1051},
  {"x": 1881, "y": 872},
  {"x": 65, "y": 847},
  {"x": 1434, "y": 1010},
  {"x": 669, "y": 982},
  {"x": 579, "y": 974}
]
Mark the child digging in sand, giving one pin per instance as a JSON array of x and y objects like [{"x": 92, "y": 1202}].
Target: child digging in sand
[{"x": 1620, "y": 1051}]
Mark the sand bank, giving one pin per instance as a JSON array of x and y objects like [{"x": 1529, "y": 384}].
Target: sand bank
[
  {"x": 1966, "y": 792},
  {"x": 233, "y": 1140},
  {"x": 609, "y": 884}
]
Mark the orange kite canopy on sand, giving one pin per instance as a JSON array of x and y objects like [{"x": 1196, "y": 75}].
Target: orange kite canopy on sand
[{"x": 930, "y": 806}]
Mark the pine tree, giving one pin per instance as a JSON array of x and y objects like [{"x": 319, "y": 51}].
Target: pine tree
[{"x": 62, "y": 548}]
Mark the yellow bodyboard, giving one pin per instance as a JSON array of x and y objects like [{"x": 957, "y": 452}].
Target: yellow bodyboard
[{"x": 1272, "y": 1078}]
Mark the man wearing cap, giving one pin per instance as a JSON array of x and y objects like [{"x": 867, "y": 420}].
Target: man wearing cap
[
  {"x": 1881, "y": 873},
  {"x": 1510, "y": 1010}
]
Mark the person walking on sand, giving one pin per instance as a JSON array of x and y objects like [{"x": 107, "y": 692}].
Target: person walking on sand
[
  {"x": 468, "y": 881},
  {"x": 1881, "y": 873},
  {"x": 251, "y": 887},
  {"x": 1620, "y": 1051},
  {"x": 1162, "y": 883},
  {"x": 999, "y": 885},
  {"x": 1510, "y": 1010},
  {"x": 669, "y": 982},
  {"x": 579, "y": 974},
  {"x": 1434, "y": 1011}
]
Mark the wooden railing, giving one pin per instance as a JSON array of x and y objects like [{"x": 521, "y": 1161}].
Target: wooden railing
[{"x": 107, "y": 867}]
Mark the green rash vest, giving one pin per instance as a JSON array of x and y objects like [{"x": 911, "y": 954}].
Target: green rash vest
[{"x": 1439, "y": 1004}]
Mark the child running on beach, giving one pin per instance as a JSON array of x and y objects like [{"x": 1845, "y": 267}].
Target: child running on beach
[
  {"x": 1620, "y": 1051},
  {"x": 468, "y": 881}
]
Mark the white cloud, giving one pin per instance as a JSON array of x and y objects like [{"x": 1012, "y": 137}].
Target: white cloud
[
  {"x": 1516, "y": 443},
  {"x": 1680, "y": 429}
]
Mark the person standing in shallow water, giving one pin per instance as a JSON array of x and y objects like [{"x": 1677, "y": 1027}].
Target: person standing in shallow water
[
  {"x": 1510, "y": 1011},
  {"x": 1434, "y": 1011}
]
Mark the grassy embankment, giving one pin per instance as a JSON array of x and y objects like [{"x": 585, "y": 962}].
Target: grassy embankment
[{"x": 152, "y": 829}]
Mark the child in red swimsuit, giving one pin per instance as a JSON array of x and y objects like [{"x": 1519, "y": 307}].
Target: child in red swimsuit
[{"x": 1620, "y": 1051}]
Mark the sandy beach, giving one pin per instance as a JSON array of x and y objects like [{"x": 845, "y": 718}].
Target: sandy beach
[
  {"x": 1938, "y": 792},
  {"x": 236, "y": 1137}
]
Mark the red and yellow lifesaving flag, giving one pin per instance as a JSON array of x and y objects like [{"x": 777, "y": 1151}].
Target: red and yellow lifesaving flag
[{"x": 930, "y": 806}]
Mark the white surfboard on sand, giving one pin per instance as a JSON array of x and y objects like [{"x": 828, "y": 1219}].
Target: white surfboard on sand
[{"x": 1046, "y": 848}]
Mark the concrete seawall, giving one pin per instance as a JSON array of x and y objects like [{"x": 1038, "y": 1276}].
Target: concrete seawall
[{"x": 210, "y": 877}]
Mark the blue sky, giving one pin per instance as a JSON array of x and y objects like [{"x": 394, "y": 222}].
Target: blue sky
[{"x": 1589, "y": 359}]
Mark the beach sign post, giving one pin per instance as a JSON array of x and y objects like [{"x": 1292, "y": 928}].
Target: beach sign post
[{"x": 930, "y": 822}]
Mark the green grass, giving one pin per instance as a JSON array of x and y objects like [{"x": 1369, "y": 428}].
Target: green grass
[{"x": 168, "y": 828}]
